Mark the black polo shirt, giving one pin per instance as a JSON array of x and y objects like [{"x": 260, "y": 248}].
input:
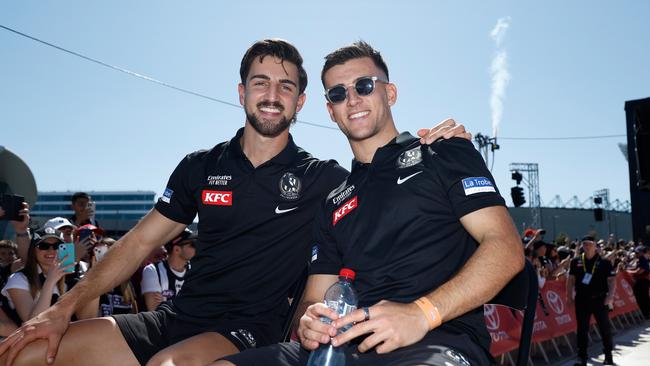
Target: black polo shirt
[
  {"x": 395, "y": 222},
  {"x": 601, "y": 269},
  {"x": 254, "y": 230}
]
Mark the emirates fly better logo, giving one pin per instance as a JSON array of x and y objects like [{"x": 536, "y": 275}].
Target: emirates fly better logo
[
  {"x": 345, "y": 209},
  {"x": 218, "y": 198}
]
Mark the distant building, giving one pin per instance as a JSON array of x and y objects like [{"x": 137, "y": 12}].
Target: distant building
[{"x": 117, "y": 212}]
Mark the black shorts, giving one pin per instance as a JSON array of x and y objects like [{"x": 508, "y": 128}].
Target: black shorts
[
  {"x": 149, "y": 332},
  {"x": 427, "y": 351}
]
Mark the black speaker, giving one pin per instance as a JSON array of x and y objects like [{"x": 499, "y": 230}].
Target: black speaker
[
  {"x": 642, "y": 145},
  {"x": 598, "y": 214},
  {"x": 517, "y": 195}
]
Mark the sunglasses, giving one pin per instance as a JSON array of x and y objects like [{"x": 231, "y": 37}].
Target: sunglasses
[
  {"x": 46, "y": 246},
  {"x": 364, "y": 86}
]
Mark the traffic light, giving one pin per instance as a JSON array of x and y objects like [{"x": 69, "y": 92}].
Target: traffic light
[{"x": 517, "y": 194}]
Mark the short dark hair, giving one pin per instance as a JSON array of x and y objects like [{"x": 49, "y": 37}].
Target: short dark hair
[
  {"x": 588, "y": 238},
  {"x": 358, "y": 49},
  {"x": 279, "y": 48},
  {"x": 79, "y": 195}
]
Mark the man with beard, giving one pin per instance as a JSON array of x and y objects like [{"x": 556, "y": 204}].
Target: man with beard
[{"x": 255, "y": 197}]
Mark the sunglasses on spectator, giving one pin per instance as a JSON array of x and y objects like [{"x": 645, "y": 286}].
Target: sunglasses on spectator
[
  {"x": 46, "y": 246},
  {"x": 364, "y": 86}
]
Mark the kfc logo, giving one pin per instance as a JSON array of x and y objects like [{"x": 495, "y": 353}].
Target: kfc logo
[
  {"x": 491, "y": 316},
  {"x": 218, "y": 198},
  {"x": 345, "y": 209},
  {"x": 555, "y": 302}
]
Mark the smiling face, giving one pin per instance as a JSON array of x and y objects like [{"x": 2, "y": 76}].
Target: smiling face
[
  {"x": 361, "y": 117},
  {"x": 271, "y": 96},
  {"x": 46, "y": 256}
]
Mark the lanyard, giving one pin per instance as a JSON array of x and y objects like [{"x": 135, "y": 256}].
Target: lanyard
[{"x": 593, "y": 268}]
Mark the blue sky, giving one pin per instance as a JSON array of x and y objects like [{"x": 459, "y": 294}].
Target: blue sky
[{"x": 79, "y": 126}]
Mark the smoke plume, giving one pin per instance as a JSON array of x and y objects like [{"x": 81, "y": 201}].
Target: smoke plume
[{"x": 499, "y": 73}]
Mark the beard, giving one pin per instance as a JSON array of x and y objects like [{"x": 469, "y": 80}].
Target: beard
[{"x": 265, "y": 127}]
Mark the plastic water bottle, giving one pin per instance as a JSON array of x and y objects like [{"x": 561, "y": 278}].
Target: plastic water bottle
[{"x": 342, "y": 298}]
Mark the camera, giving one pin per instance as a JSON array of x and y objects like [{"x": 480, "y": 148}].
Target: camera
[{"x": 11, "y": 204}]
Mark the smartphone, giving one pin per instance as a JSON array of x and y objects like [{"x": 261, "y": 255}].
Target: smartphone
[
  {"x": 66, "y": 249},
  {"x": 83, "y": 234},
  {"x": 11, "y": 204}
]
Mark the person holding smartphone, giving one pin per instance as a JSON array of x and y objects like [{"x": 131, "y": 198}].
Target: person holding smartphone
[
  {"x": 85, "y": 239},
  {"x": 40, "y": 283},
  {"x": 84, "y": 209},
  {"x": 21, "y": 228}
]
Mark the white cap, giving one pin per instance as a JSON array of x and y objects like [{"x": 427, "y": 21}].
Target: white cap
[{"x": 58, "y": 222}]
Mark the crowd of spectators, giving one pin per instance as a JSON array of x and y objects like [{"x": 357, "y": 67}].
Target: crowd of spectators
[
  {"x": 29, "y": 282},
  {"x": 552, "y": 258},
  {"x": 33, "y": 276}
]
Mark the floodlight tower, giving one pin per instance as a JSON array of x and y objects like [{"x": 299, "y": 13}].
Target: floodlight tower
[
  {"x": 486, "y": 143},
  {"x": 531, "y": 179}
]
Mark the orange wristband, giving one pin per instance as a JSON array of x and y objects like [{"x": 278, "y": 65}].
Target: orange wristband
[{"x": 430, "y": 311}]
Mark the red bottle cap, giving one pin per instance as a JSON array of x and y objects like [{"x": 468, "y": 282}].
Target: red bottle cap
[{"x": 347, "y": 272}]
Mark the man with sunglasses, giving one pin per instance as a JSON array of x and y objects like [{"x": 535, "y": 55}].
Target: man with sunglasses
[
  {"x": 255, "y": 196},
  {"x": 423, "y": 227},
  {"x": 163, "y": 280}
]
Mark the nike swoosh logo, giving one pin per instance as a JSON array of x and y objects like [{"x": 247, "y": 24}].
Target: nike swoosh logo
[
  {"x": 400, "y": 180},
  {"x": 280, "y": 211}
]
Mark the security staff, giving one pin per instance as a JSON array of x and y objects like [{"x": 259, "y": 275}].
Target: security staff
[{"x": 592, "y": 278}]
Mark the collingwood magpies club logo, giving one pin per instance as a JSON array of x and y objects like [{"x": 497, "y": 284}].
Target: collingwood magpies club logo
[
  {"x": 290, "y": 186},
  {"x": 409, "y": 158}
]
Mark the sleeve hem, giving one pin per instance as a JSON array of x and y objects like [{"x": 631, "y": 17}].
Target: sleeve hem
[
  {"x": 166, "y": 212},
  {"x": 479, "y": 203},
  {"x": 323, "y": 269}
]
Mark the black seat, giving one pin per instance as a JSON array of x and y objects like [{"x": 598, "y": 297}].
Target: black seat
[
  {"x": 521, "y": 294},
  {"x": 296, "y": 296}
]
